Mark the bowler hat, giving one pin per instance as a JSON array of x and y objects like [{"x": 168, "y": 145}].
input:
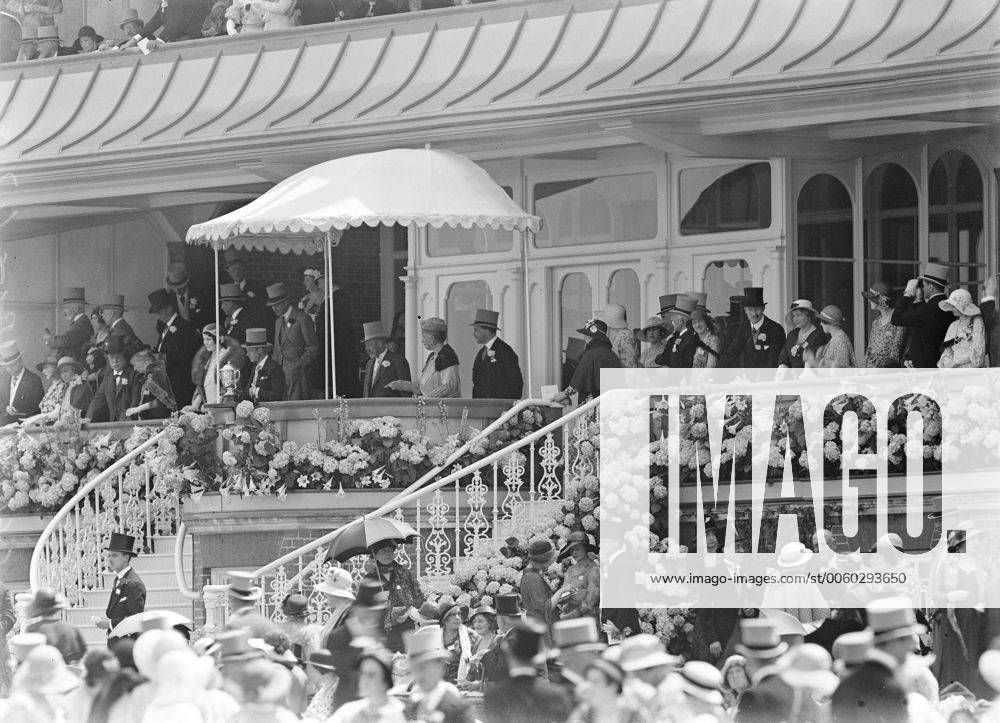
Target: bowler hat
[
  {"x": 753, "y": 296},
  {"x": 541, "y": 551},
  {"x": 117, "y": 302},
  {"x": 508, "y": 604},
  {"x": 575, "y": 348},
  {"x": 936, "y": 273},
  {"x": 122, "y": 543},
  {"x": 892, "y": 617},
  {"x": 434, "y": 324},
  {"x": 256, "y": 337},
  {"x": 371, "y": 596},
  {"x": 46, "y": 602},
  {"x": 159, "y": 300},
  {"x": 594, "y": 327},
  {"x": 230, "y": 292},
  {"x": 232, "y": 256},
  {"x": 373, "y": 330},
  {"x": 131, "y": 16},
  {"x": 759, "y": 639},
  {"x": 51, "y": 359},
  {"x": 487, "y": 318},
  {"x": 667, "y": 302},
  {"x": 425, "y": 644},
  {"x": 71, "y": 294},
  {"x": 9, "y": 352},
  {"x": 577, "y": 537},
  {"x": 240, "y": 587},
  {"x": 525, "y": 639},
  {"x": 276, "y": 293}
]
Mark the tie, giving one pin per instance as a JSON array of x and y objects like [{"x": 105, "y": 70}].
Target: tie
[
  {"x": 430, "y": 358},
  {"x": 182, "y": 304},
  {"x": 118, "y": 378}
]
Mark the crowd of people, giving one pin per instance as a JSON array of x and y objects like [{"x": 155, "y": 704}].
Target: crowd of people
[
  {"x": 274, "y": 344},
  {"x": 178, "y": 20},
  {"x": 386, "y": 654}
]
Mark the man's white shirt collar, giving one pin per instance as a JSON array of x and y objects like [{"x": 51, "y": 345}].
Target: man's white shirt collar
[
  {"x": 489, "y": 344},
  {"x": 122, "y": 573}
]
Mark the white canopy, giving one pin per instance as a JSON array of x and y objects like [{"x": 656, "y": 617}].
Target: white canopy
[{"x": 406, "y": 186}]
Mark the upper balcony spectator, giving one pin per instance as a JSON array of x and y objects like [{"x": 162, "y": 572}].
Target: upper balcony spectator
[
  {"x": 176, "y": 20},
  {"x": 47, "y": 45},
  {"x": 87, "y": 40}
]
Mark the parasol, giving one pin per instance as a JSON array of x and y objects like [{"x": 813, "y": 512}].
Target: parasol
[{"x": 359, "y": 538}]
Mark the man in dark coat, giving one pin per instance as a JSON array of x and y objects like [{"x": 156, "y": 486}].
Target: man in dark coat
[
  {"x": 20, "y": 390},
  {"x": 128, "y": 597},
  {"x": 178, "y": 343},
  {"x": 683, "y": 343},
  {"x": 496, "y": 373},
  {"x": 769, "y": 698},
  {"x": 237, "y": 319},
  {"x": 384, "y": 365},
  {"x": 113, "y": 315},
  {"x": 45, "y": 609},
  {"x": 119, "y": 389},
  {"x": 363, "y": 622},
  {"x": 345, "y": 344},
  {"x": 254, "y": 292},
  {"x": 756, "y": 343},
  {"x": 714, "y": 625},
  {"x": 74, "y": 342},
  {"x": 179, "y": 20},
  {"x": 509, "y": 613},
  {"x": 243, "y": 596},
  {"x": 295, "y": 343},
  {"x": 586, "y": 381},
  {"x": 267, "y": 381},
  {"x": 991, "y": 319},
  {"x": 870, "y": 693},
  {"x": 736, "y": 324},
  {"x": 191, "y": 303},
  {"x": 524, "y": 696},
  {"x": 919, "y": 311}
]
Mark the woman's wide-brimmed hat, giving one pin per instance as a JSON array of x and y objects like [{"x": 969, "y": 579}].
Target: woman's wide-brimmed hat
[
  {"x": 337, "y": 582},
  {"x": 594, "y": 327},
  {"x": 800, "y": 305},
  {"x": 880, "y": 293},
  {"x": 700, "y": 313},
  {"x": 644, "y": 651},
  {"x": 482, "y": 610},
  {"x": 577, "y": 537},
  {"x": 654, "y": 322},
  {"x": 44, "y": 671},
  {"x": 794, "y": 554},
  {"x": 427, "y": 614},
  {"x": 614, "y": 315},
  {"x": 68, "y": 361},
  {"x": 960, "y": 300},
  {"x": 832, "y": 315},
  {"x": 50, "y": 360},
  {"x": 46, "y": 602},
  {"x": 808, "y": 666}
]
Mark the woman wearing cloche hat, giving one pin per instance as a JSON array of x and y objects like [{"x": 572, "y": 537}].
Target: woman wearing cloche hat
[{"x": 965, "y": 340}]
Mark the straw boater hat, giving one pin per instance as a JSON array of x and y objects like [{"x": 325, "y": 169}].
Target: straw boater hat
[
  {"x": 9, "y": 352},
  {"x": 434, "y": 324},
  {"x": 241, "y": 587},
  {"x": 960, "y": 300},
  {"x": 373, "y": 330},
  {"x": 702, "y": 680},
  {"x": 800, "y": 305},
  {"x": 337, "y": 582},
  {"x": 131, "y": 16},
  {"x": 891, "y": 618},
  {"x": 122, "y": 543},
  {"x": 117, "y": 302},
  {"x": 832, "y": 315},
  {"x": 68, "y": 361},
  {"x": 44, "y": 671},
  {"x": 577, "y": 537},
  {"x": 487, "y": 318},
  {"x": 71, "y": 294},
  {"x": 880, "y": 292},
  {"x": 276, "y": 293},
  {"x": 644, "y": 651},
  {"x": 427, "y": 643},
  {"x": 936, "y": 273},
  {"x": 256, "y": 337},
  {"x": 851, "y": 649},
  {"x": 759, "y": 640}
]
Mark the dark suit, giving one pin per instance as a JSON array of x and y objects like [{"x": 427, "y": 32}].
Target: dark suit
[
  {"x": 345, "y": 347},
  {"x": 927, "y": 323},
  {"x": 295, "y": 346},
  {"x": 770, "y": 699},
  {"x": 869, "y": 694},
  {"x": 81, "y": 396},
  {"x": 393, "y": 367},
  {"x": 680, "y": 349},
  {"x": 992, "y": 322},
  {"x": 255, "y": 310},
  {"x": 494, "y": 665},
  {"x": 499, "y": 376},
  {"x": 270, "y": 381},
  {"x": 28, "y": 394},
  {"x": 128, "y": 597},
  {"x": 524, "y": 697},
  {"x": 178, "y": 343},
  {"x": 114, "y": 396},
  {"x": 62, "y": 636},
  {"x": 760, "y": 350},
  {"x": 75, "y": 341},
  {"x": 123, "y": 330},
  {"x": 715, "y": 625},
  {"x": 194, "y": 306},
  {"x": 180, "y": 20},
  {"x": 236, "y": 326}
]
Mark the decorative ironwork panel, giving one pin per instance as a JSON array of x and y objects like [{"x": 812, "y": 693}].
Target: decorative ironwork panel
[
  {"x": 513, "y": 508},
  {"x": 476, "y": 526},
  {"x": 437, "y": 545},
  {"x": 549, "y": 487}
]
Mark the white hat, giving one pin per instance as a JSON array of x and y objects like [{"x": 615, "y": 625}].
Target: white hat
[
  {"x": 338, "y": 582},
  {"x": 960, "y": 300}
]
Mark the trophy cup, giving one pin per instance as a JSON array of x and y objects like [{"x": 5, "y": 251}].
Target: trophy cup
[{"x": 229, "y": 376}]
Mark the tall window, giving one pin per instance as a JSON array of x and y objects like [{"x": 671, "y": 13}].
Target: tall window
[
  {"x": 890, "y": 226},
  {"x": 464, "y": 297},
  {"x": 955, "y": 220},
  {"x": 715, "y": 199},
  {"x": 825, "y": 245},
  {"x": 623, "y": 288},
  {"x": 576, "y": 305},
  {"x": 596, "y": 210}
]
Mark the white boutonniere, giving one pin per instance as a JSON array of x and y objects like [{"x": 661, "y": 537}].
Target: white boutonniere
[
  {"x": 123, "y": 381},
  {"x": 193, "y": 303},
  {"x": 762, "y": 337},
  {"x": 173, "y": 329},
  {"x": 386, "y": 363},
  {"x": 288, "y": 324},
  {"x": 492, "y": 356},
  {"x": 797, "y": 349},
  {"x": 250, "y": 294}
]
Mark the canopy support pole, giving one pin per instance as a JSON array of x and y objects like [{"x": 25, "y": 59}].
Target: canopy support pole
[
  {"x": 218, "y": 332},
  {"x": 527, "y": 314},
  {"x": 326, "y": 347},
  {"x": 329, "y": 310}
]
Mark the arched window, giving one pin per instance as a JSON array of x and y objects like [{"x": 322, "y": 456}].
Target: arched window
[
  {"x": 890, "y": 226},
  {"x": 716, "y": 199},
  {"x": 955, "y": 218},
  {"x": 464, "y": 297},
  {"x": 576, "y": 305},
  {"x": 623, "y": 288},
  {"x": 826, "y": 245}
]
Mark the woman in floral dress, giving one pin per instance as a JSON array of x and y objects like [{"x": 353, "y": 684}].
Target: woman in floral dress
[
  {"x": 965, "y": 341},
  {"x": 581, "y": 587},
  {"x": 71, "y": 392},
  {"x": 622, "y": 338},
  {"x": 886, "y": 341},
  {"x": 706, "y": 355},
  {"x": 805, "y": 336},
  {"x": 838, "y": 352}
]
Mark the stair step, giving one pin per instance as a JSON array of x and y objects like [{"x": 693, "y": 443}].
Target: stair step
[
  {"x": 160, "y": 578},
  {"x": 96, "y": 601}
]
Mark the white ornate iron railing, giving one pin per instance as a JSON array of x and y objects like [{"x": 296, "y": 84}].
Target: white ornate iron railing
[
  {"x": 123, "y": 498},
  {"x": 453, "y": 519}
]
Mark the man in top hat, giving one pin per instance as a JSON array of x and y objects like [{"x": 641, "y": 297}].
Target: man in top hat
[
  {"x": 494, "y": 661},
  {"x": 47, "y": 45},
  {"x": 267, "y": 380},
  {"x": 769, "y": 698},
  {"x": 384, "y": 365},
  {"x": 432, "y": 698},
  {"x": 178, "y": 342},
  {"x": 362, "y": 628},
  {"x": 177, "y": 20},
  {"x": 735, "y": 323},
  {"x": 496, "y": 373},
  {"x": 536, "y": 593},
  {"x": 524, "y": 696},
  {"x": 683, "y": 343},
  {"x": 576, "y": 644},
  {"x": 243, "y": 596},
  {"x": 20, "y": 390},
  {"x": 757, "y": 343},
  {"x": 128, "y": 596},
  {"x": 237, "y": 319},
  {"x": 190, "y": 302},
  {"x": 120, "y": 385},
  {"x": 345, "y": 363},
  {"x": 295, "y": 342},
  {"x": 76, "y": 338},
  {"x": 113, "y": 314},
  {"x": 918, "y": 309},
  {"x": 254, "y": 292},
  {"x": 45, "y": 612},
  {"x": 597, "y": 355},
  {"x": 571, "y": 359}
]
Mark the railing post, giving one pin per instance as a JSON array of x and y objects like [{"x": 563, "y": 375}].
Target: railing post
[
  {"x": 214, "y": 597},
  {"x": 22, "y": 599}
]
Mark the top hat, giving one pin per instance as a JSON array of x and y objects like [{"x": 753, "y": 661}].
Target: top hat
[
  {"x": 256, "y": 337},
  {"x": 49, "y": 32},
  {"x": 508, "y": 604},
  {"x": 371, "y": 596},
  {"x": 960, "y": 300},
  {"x": 427, "y": 614},
  {"x": 231, "y": 256},
  {"x": 434, "y": 324},
  {"x": 159, "y": 300},
  {"x": 541, "y": 551},
  {"x": 230, "y": 292},
  {"x": 70, "y": 362},
  {"x": 487, "y": 318},
  {"x": 892, "y": 617},
  {"x": 177, "y": 275},
  {"x": 240, "y": 587},
  {"x": 51, "y": 359},
  {"x": 577, "y": 537},
  {"x": 614, "y": 315},
  {"x": 276, "y": 293},
  {"x": 122, "y": 543},
  {"x": 23, "y": 643},
  {"x": 575, "y": 348},
  {"x": 337, "y": 582},
  {"x": 425, "y": 644},
  {"x": 852, "y": 648},
  {"x": 700, "y": 297},
  {"x": 644, "y": 651},
  {"x": 71, "y": 294},
  {"x": 373, "y": 330},
  {"x": 667, "y": 302},
  {"x": 832, "y": 315},
  {"x": 593, "y": 327},
  {"x": 131, "y": 15},
  {"x": 29, "y": 35},
  {"x": 702, "y": 680},
  {"x": 44, "y": 672},
  {"x": 235, "y": 645},
  {"x": 87, "y": 31},
  {"x": 295, "y": 605},
  {"x": 936, "y": 273},
  {"x": 753, "y": 296},
  {"x": 759, "y": 639},
  {"x": 46, "y": 602},
  {"x": 9, "y": 352},
  {"x": 525, "y": 639},
  {"x": 735, "y": 306},
  {"x": 684, "y": 304},
  {"x": 114, "y": 345},
  {"x": 575, "y": 632},
  {"x": 880, "y": 292},
  {"x": 117, "y": 302}
]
